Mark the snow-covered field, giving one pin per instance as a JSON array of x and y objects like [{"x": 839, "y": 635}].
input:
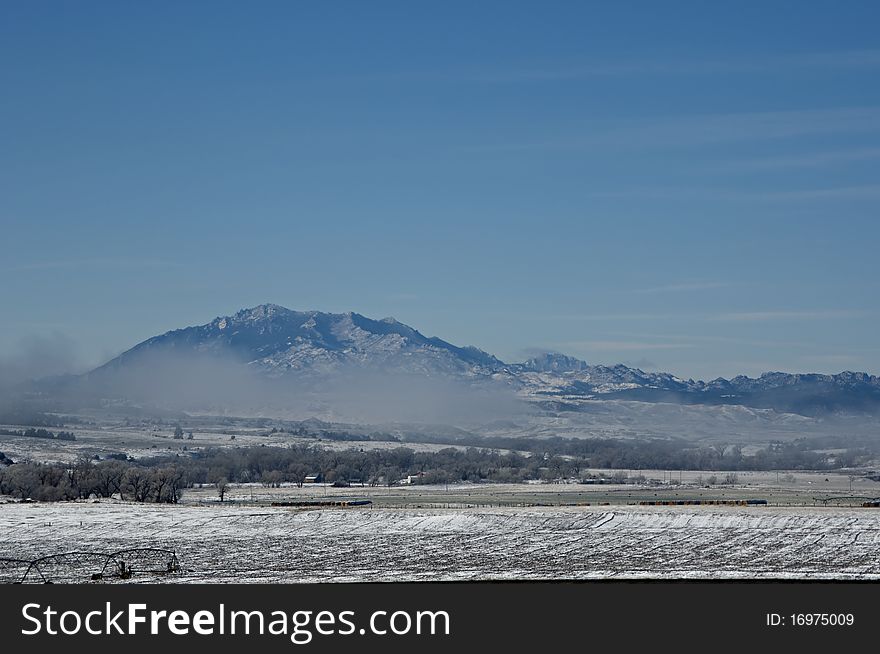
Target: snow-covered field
[{"x": 247, "y": 544}]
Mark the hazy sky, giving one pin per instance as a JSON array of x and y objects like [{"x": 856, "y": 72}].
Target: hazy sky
[{"x": 663, "y": 184}]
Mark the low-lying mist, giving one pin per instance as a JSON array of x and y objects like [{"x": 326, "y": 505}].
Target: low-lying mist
[
  {"x": 213, "y": 384},
  {"x": 39, "y": 356}
]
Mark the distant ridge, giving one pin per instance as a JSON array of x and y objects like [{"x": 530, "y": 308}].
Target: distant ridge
[{"x": 275, "y": 341}]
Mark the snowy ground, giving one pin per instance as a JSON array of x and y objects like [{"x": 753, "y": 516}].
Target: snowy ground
[
  {"x": 138, "y": 442},
  {"x": 264, "y": 544},
  {"x": 796, "y": 488}
]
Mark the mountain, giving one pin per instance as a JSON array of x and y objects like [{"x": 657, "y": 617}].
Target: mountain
[
  {"x": 804, "y": 394},
  {"x": 274, "y": 343},
  {"x": 279, "y": 341},
  {"x": 551, "y": 362}
]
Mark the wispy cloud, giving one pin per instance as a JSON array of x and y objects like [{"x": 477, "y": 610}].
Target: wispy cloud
[
  {"x": 764, "y": 316},
  {"x": 832, "y": 193},
  {"x": 574, "y": 70},
  {"x": 115, "y": 263},
  {"x": 832, "y": 359},
  {"x": 731, "y": 194},
  {"x": 641, "y": 364},
  {"x": 837, "y": 59},
  {"x": 701, "y": 129},
  {"x": 683, "y": 287},
  {"x": 403, "y": 297},
  {"x": 611, "y": 317},
  {"x": 623, "y": 346},
  {"x": 717, "y": 340},
  {"x": 732, "y": 316},
  {"x": 807, "y": 160}
]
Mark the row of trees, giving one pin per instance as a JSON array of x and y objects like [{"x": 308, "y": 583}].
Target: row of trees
[
  {"x": 21, "y": 416},
  {"x": 163, "y": 479},
  {"x": 87, "y": 478},
  {"x": 40, "y": 433},
  {"x": 680, "y": 454}
]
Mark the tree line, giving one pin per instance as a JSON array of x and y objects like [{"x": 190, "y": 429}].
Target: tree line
[
  {"x": 39, "y": 433},
  {"x": 86, "y": 478},
  {"x": 681, "y": 454},
  {"x": 164, "y": 478}
]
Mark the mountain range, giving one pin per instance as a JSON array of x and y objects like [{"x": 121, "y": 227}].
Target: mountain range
[{"x": 275, "y": 343}]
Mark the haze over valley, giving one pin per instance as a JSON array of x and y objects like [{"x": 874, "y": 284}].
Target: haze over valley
[{"x": 346, "y": 369}]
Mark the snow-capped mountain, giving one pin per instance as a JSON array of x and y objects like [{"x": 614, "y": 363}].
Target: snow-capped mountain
[
  {"x": 276, "y": 342},
  {"x": 551, "y": 362},
  {"x": 279, "y": 341},
  {"x": 805, "y": 394}
]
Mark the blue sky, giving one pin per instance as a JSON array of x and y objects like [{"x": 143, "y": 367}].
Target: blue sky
[{"x": 672, "y": 185}]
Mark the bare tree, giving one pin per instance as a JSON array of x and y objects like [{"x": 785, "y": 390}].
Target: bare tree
[
  {"x": 161, "y": 477},
  {"x": 297, "y": 473},
  {"x": 80, "y": 477},
  {"x": 109, "y": 478},
  {"x": 176, "y": 485},
  {"x": 271, "y": 479},
  {"x": 222, "y": 485},
  {"x": 139, "y": 483}
]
